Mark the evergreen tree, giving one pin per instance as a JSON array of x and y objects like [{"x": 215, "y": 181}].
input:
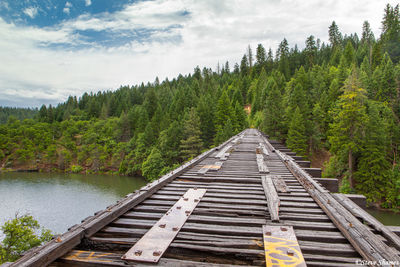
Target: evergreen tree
[
  {"x": 270, "y": 61},
  {"x": 244, "y": 66},
  {"x": 191, "y": 143},
  {"x": 311, "y": 50},
  {"x": 206, "y": 113},
  {"x": 349, "y": 55},
  {"x": 367, "y": 36},
  {"x": 273, "y": 115},
  {"x": 250, "y": 57},
  {"x": 282, "y": 55},
  {"x": 391, "y": 32},
  {"x": 226, "y": 133},
  {"x": 261, "y": 58},
  {"x": 224, "y": 111},
  {"x": 371, "y": 175},
  {"x": 297, "y": 139},
  {"x": 335, "y": 37},
  {"x": 240, "y": 118},
  {"x": 347, "y": 129}
]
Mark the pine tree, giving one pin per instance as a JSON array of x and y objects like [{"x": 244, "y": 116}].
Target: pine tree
[
  {"x": 367, "y": 36},
  {"x": 226, "y": 133},
  {"x": 191, "y": 143},
  {"x": 349, "y": 54},
  {"x": 297, "y": 139},
  {"x": 372, "y": 164},
  {"x": 347, "y": 129},
  {"x": 390, "y": 36},
  {"x": 273, "y": 115},
  {"x": 261, "y": 58},
  {"x": 260, "y": 86},
  {"x": 270, "y": 61},
  {"x": 335, "y": 37},
  {"x": 310, "y": 50},
  {"x": 244, "y": 66},
  {"x": 384, "y": 81},
  {"x": 206, "y": 113},
  {"x": 283, "y": 56},
  {"x": 240, "y": 118},
  {"x": 224, "y": 111},
  {"x": 250, "y": 57}
]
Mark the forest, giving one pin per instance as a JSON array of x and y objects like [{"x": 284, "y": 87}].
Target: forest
[{"x": 338, "y": 101}]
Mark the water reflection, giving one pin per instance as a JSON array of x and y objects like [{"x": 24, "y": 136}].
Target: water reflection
[{"x": 59, "y": 201}]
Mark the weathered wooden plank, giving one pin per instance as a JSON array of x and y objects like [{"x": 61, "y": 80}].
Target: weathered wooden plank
[
  {"x": 262, "y": 166},
  {"x": 281, "y": 247},
  {"x": 272, "y": 197},
  {"x": 262, "y": 149},
  {"x": 155, "y": 242},
  {"x": 366, "y": 217},
  {"x": 280, "y": 184}
]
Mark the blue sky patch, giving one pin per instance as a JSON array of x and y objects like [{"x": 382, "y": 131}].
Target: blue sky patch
[
  {"x": 47, "y": 13},
  {"x": 54, "y": 15}
]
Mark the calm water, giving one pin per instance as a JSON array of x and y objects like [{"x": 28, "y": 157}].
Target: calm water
[
  {"x": 59, "y": 201},
  {"x": 386, "y": 217}
]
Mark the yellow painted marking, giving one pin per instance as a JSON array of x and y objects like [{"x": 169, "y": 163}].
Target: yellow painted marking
[
  {"x": 211, "y": 167},
  {"x": 91, "y": 257},
  {"x": 73, "y": 255},
  {"x": 276, "y": 252}
]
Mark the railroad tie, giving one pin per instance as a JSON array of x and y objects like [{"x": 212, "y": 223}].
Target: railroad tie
[
  {"x": 281, "y": 247},
  {"x": 156, "y": 241},
  {"x": 280, "y": 184}
]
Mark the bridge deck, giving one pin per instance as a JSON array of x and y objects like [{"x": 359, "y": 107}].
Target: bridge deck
[{"x": 226, "y": 226}]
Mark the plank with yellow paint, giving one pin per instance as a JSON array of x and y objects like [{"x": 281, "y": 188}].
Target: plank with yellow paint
[{"x": 281, "y": 247}]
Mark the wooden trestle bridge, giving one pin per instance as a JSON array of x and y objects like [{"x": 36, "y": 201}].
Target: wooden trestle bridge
[{"x": 249, "y": 201}]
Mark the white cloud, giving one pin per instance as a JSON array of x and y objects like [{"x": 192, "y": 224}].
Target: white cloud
[
  {"x": 31, "y": 12},
  {"x": 88, "y": 2},
  {"x": 215, "y": 31},
  {"x": 67, "y": 8}
]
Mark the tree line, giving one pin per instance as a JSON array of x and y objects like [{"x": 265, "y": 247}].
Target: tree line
[{"x": 340, "y": 98}]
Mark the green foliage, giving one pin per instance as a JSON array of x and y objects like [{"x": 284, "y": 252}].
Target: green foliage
[
  {"x": 348, "y": 127},
  {"x": 21, "y": 234},
  {"x": 76, "y": 169},
  {"x": 371, "y": 176},
  {"x": 153, "y": 165},
  {"x": 18, "y": 113},
  {"x": 273, "y": 116},
  {"x": 296, "y": 139},
  {"x": 191, "y": 143},
  {"x": 392, "y": 197},
  {"x": 225, "y": 133}
]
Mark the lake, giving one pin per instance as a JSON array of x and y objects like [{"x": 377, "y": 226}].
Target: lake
[{"x": 59, "y": 201}]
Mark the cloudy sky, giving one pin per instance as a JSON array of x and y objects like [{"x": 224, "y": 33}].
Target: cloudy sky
[{"x": 50, "y": 49}]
